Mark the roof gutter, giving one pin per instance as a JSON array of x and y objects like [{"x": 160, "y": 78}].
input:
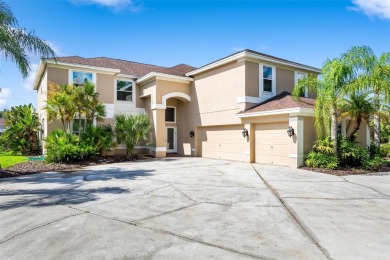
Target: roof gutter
[{"x": 296, "y": 111}]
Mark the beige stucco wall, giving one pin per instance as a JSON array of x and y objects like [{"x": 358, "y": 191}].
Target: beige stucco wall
[
  {"x": 309, "y": 134},
  {"x": 164, "y": 87},
  {"x": 57, "y": 75},
  {"x": 252, "y": 79},
  {"x": 285, "y": 80},
  {"x": 106, "y": 88},
  {"x": 362, "y": 132}
]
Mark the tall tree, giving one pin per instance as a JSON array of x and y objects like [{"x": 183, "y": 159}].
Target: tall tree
[
  {"x": 15, "y": 42},
  {"x": 359, "y": 107},
  {"x": 329, "y": 89},
  {"x": 374, "y": 76}
]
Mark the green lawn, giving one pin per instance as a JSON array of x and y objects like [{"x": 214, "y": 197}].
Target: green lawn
[{"x": 8, "y": 160}]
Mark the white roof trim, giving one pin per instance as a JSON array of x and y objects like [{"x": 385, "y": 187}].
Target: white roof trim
[
  {"x": 250, "y": 55},
  {"x": 299, "y": 111},
  {"x": 152, "y": 75}
]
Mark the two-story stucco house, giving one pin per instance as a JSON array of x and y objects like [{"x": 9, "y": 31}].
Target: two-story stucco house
[{"x": 236, "y": 108}]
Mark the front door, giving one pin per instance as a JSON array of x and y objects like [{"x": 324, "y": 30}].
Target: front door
[{"x": 171, "y": 140}]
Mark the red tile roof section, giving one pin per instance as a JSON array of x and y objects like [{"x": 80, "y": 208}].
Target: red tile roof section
[
  {"x": 127, "y": 67},
  {"x": 282, "y": 101}
]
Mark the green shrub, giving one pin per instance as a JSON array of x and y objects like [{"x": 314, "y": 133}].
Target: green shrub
[
  {"x": 65, "y": 147},
  {"x": 321, "y": 160},
  {"x": 100, "y": 137},
  {"x": 325, "y": 146},
  {"x": 350, "y": 154},
  {"x": 373, "y": 164},
  {"x": 385, "y": 150}
]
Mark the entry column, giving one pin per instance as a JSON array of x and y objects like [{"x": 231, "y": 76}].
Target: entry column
[
  {"x": 296, "y": 149},
  {"x": 160, "y": 149}
]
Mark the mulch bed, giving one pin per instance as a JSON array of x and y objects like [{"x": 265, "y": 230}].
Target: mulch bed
[
  {"x": 32, "y": 167},
  {"x": 344, "y": 171}
]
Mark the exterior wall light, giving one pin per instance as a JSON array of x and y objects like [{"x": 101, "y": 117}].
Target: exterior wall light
[
  {"x": 244, "y": 132},
  {"x": 290, "y": 131},
  {"x": 192, "y": 134}
]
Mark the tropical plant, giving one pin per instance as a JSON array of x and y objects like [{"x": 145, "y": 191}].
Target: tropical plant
[
  {"x": 63, "y": 146},
  {"x": 60, "y": 105},
  {"x": 131, "y": 129},
  {"x": 350, "y": 154},
  {"x": 321, "y": 160},
  {"x": 22, "y": 130},
  {"x": 359, "y": 107},
  {"x": 329, "y": 90},
  {"x": 100, "y": 137},
  {"x": 16, "y": 42},
  {"x": 374, "y": 76}
]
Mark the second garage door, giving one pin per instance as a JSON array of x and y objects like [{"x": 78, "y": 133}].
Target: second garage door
[
  {"x": 272, "y": 144},
  {"x": 222, "y": 142}
]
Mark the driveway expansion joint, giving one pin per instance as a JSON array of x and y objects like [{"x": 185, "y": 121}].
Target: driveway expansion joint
[
  {"x": 296, "y": 218},
  {"x": 368, "y": 187},
  {"x": 40, "y": 226}
]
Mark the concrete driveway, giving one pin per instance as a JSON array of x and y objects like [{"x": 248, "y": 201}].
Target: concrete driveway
[{"x": 181, "y": 208}]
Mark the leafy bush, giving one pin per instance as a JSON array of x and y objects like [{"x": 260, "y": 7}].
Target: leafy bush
[
  {"x": 373, "y": 164},
  {"x": 22, "y": 130},
  {"x": 65, "y": 147},
  {"x": 325, "y": 146},
  {"x": 131, "y": 129},
  {"x": 100, "y": 137},
  {"x": 385, "y": 150},
  {"x": 321, "y": 160},
  {"x": 350, "y": 153}
]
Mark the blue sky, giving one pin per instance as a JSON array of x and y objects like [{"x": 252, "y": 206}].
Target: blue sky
[{"x": 194, "y": 32}]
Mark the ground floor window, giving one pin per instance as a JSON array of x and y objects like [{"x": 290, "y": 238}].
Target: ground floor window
[{"x": 78, "y": 126}]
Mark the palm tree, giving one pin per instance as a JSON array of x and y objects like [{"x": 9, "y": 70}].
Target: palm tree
[
  {"x": 329, "y": 89},
  {"x": 60, "y": 105},
  {"x": 131, "y": 129},
  {"x": 94, "y": 109},
  {"x": 15, "y": 42},
  {"x": 374, "y": 76},
  {"x": 359, "y": 107}
]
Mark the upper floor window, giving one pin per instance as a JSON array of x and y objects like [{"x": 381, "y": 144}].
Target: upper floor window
[
  {"x": 124, "y": 90},
  {"x": 170, "y": 114},
  {"x": 299, "y": 76},
  {"x": 80, "y": 78},
  {"x": 267, "y": 78}
]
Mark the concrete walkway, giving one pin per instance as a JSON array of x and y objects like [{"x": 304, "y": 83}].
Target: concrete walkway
[{"x": 194, "y": 208}]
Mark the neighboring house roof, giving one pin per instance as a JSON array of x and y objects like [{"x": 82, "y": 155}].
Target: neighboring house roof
[
  {"x": 1, "y": 121},
  {"x": 282, "y": 101},
  {"x": 127, "y": 67}
]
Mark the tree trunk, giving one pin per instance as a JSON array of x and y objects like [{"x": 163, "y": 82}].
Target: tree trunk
[
  {"x": 377, "y": 127},
  {"x": 356, "y": 128},
  {"x": 333, "y": 130}
]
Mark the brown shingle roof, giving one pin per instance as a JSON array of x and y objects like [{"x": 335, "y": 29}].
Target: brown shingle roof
[
  {"x": 282, "y": 101},
  {"x": 127, "y": 67}
]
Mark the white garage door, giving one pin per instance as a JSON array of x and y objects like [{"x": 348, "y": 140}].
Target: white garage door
[
  {"x": 222, "y": 142},
  {"x": 272, "y": 144}
]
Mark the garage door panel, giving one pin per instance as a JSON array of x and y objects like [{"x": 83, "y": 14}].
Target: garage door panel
[
  {"x": 272, "y": 144},
  {"x": 222, "y": 142}
]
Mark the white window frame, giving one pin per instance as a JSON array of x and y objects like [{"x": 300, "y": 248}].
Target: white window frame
[
  {"x": 263, "y": 93},
  {"x": 173, "y": 113},
  {"x": 70, "y": 75},
  {"x": 132, "y": 91},
  {"x": 296, "y": 81}
]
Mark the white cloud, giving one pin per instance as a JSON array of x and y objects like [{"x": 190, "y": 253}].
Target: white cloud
[
  {"x": 29, "y": 81},
  {"x": 115, "y": 4},
  {"x": 5, "y": 96},
  {"x": 373, "y": 8}
]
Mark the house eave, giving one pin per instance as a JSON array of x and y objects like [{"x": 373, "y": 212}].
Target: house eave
[
  {"x": 162, "y": 76},
  {"x": 298, "y": 111},
  {"x": 246, "y": 55}
]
